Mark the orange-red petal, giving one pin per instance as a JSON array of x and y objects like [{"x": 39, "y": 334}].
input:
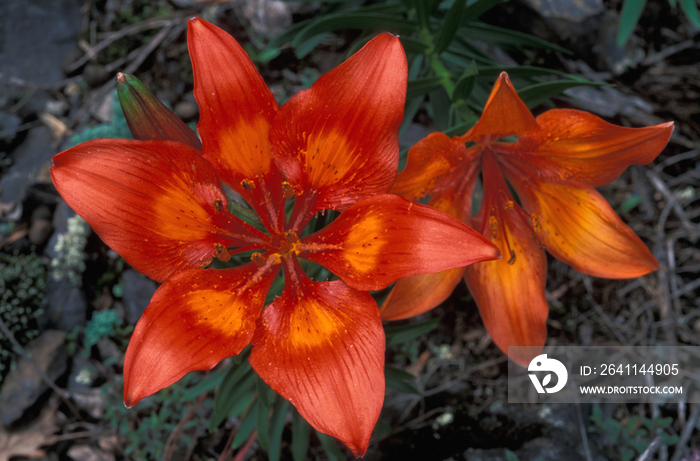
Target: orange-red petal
[
  {"x": 236, "y": 107},
  {"x": 577, "y": 146},
  {"x": 322, "y": 348},
  {"x": 579, "y": 227},
  {"x": 159, "y": 204},
  {"x": 386, "y": 237},
  {"x": 509, "y": 292},
  {"x": 338, "y": 141},
  {"x": 195, "y": 319},
  {"x": 436, "y": 164},
  {"x": 147, "y": 117},
  {"x": 505, "y": 114},
  {"x": 417, "y": 294},
  {"x": 236, "y": 111}
]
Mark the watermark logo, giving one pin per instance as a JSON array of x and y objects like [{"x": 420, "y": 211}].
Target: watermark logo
[{"x": 542, "y": 363}]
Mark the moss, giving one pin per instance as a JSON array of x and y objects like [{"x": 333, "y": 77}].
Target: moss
[{"x": 22, "y": 290}]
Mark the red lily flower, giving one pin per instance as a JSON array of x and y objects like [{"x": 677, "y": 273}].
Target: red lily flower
[
  {"x": 158, "y": 201},
  {"x": 557, "y": 160}
]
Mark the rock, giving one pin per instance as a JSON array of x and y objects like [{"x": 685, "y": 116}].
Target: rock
[
  {"x": 40, "y": 227},
  {"x": 88, "y": 453},
  {"x": 8, "y": 128},
  {"x": 24, "y": 385},
  {"x": 186, "y": 110},
  {"x": 570, "y": 19},
  {"x": 45, "y": 30},
  {"x": 267, "y": 17},
  {"x": 65, "y": 308},
  {"x": 138, "y": 290},
  {"x": 95, "y": 74},
  {"x": 30, "y": 157}
]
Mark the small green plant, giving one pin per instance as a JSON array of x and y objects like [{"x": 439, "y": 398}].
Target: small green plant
[
  {"x": 106, "y": 324},
  {"x": 627, "y": 439},
  {"x": 164, "y": 426},
  {"x": 22, "y": 289},
  {"x": 632, "y": 10}
]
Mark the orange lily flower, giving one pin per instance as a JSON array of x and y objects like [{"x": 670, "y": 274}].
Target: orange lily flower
[
  {"x": 553, "y": 166},
  {"x": 159, "y": 202}
]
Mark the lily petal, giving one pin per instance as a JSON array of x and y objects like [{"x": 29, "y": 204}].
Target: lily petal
[
  {"x": 505, "y": 114},
  {"x": 237, "y": 110},
  {"x": 195, "y": 319},
  {"x": 435, "y": 164},
  {"x": 579, "y": 227},
  {"x": 509, "y": 292},
  {"x": 385, "y": 237},
  {"x": 417, "y": 294},
  {"x": 322, "y": 348},
  {"x": 577, "y": 146},
  {"x": 147, "y": 117},
  {"x": 337, "y": 142},
  {"x": 159, "y": 204}
]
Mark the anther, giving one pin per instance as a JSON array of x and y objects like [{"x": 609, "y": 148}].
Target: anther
[
  {"x": 218, "y": 206},
  {"x": 248, "y": 184},
  {"x": 221, "y": 252},
  {"x": 287, "y": 191},
  {"x": 258, "y": 259}
]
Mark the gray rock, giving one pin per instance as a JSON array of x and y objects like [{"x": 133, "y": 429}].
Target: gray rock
[
  {"x": 65, "y": 308},
  {"x": 8, "y": 128},
  {"x": 138, "y": 290},
  {"x": 24, "y": 385},
  {"x": 30, "y": 157},
  {"x": 570, "y": 19},
  {"x": 46, "y": 30}
]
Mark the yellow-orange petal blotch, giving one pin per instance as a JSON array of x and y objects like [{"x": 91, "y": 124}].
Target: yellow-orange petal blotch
[
  {"x": 322, "y": 348},
  {"x": 572, "y": 145},
  {"x": 578, "y": 227},
  {"x": 509, "y": 292},
  {"x": 385, "y": 237},
  {"x": 338, "y": 141},
  {"x": 196, "y": 319},
  {"x": 236, "y": 107},
  {"x": 159, "y": 204},
  {"x": 505, "y": 114}
]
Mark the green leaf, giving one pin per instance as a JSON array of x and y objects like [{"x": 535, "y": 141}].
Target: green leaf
[
  {"x": 524, "y": 72},
  {"x": 510, "y": 456},
  {"x": 206, "y": 384},
  {"x": 351, "y": 20},
  {"x": 239, "y": 380},
  {"x": 501, "y": 36},
  {"x": 288, "y": 35},
  {"x": 397, "y": 380},
  {"x": 265, "y": 393},
  {"x": 413, "y": 45},
  {"x": 479, "y": 7},
  {"x": 690, "y": 8},
  {"x": 276, "y": 425},
  {"x": 301, "y": 431},
  {"x": 539, "y": 92},
  {"x": 465, "y": 84},
  {"x": 262, "y": 425},
  {"x": 629, "y": 16},
  {"x": 448, "y": 28},
  {"x": 401, "y": 334},
  {"x": 333, "y": 453},
  {"x": 247, "y": 424},
  {"x": 629, "y": 204},
  {"x": 424, "y": 85}
]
